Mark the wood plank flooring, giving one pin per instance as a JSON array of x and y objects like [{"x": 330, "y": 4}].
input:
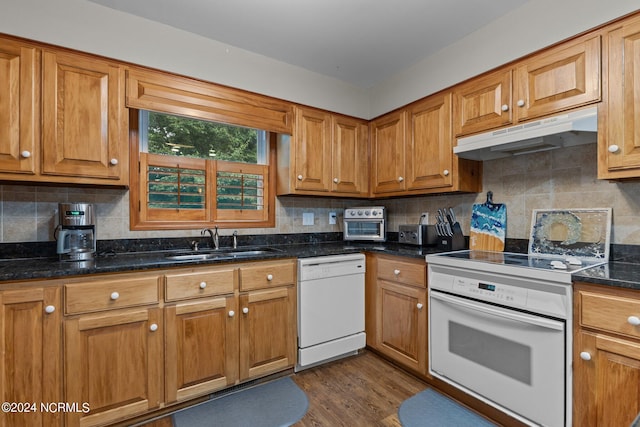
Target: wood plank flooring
[{"x": 362, "y": 390}]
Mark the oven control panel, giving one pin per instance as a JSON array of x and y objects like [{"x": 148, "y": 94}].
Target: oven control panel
[{"x": 487, "y": 291}]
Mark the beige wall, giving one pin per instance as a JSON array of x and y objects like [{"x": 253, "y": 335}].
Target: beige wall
[{"x": 564, "y": 178}]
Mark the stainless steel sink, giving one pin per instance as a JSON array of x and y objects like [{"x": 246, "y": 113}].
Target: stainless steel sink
[
  {"x": 222, "y": 254},
  {"x": 197, "y": 257}
]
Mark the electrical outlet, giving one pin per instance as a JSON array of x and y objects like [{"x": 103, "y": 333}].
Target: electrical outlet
[{"x": 333, "y": 217}]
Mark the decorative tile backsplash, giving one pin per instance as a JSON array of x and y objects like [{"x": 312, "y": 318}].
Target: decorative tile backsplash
[{"x": 564, "y": 178}]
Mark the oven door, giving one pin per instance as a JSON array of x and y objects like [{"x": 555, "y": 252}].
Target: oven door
[
  {"x": 363, "y": 229},
  {"x": 512, "y": 360}
]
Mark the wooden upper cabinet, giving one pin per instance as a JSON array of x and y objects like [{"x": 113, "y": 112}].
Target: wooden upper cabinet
[
  {"x": 557, "y": 79},
  {"x": 327, "y": 155},
  {"x": 564, "y": 77},
  {"x": 387, "y": 153},
  {"x": 312, "y": 139},
  {"x": 619, "y": 117},
  {"x": 19, "y": 106},
  {"x": 483, "y": 103},
  {"x": 429, "y": 157},
  {"x": 84, "y": 121},
  {"x": 350, "y": 156}
]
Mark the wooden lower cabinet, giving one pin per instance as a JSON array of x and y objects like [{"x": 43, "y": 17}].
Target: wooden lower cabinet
[
  {"x": 606, "y": 356},
  {"x": 402, "y": 324},
  {"x": 201, "y": 347},
  {"x": 31, "y": 363},
  {"x": 113, "y": 364},
  {"x": 396, "y": 309},
  {"x": 267, "y": 331}
]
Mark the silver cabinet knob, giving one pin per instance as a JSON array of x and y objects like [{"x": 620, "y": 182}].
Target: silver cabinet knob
[
  {"x": 269, "y": 277},
  {"x": 445, "y": 172},
  {"x": 520, "y": 103},
  {"x": 203, "y": 285},
  {"x": 585, "y": 355},
  {"x": 115, "y": 295},
  {"x": 245, "y": 310},
  {"x": 396, "y": 272},
  {"x": 153, "y": 327},
  {"x": 299, "y": 177},
  {"x": 400, "y": 179},
  {"x": 113, "y": 161},
  {"x": 419, "y": 306},
  {"x": 614, "y": 148},
  {"x": 633, "y": 320},
  {"x": 26, "y": 154},
  {"x": 336, "y": 180},
  {"x": 232, "y": 313},
  {"x": 504, "y": 107},
  {"x": 49, "y": 309}
]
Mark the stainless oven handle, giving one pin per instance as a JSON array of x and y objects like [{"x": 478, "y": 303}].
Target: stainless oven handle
[{"x": 511, "y": 315}]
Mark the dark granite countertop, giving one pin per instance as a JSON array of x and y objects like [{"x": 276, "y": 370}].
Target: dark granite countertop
[
  {"x": 621, "y": 273},
  {"x": 20, "y": 262},
  {"x": 16, "y": 269}
]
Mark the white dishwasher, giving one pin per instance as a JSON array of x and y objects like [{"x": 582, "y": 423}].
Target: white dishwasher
[{"x": 330, "y": 308}]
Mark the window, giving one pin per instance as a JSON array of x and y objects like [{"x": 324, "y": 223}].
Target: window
[{"x": 194, "y": 173}]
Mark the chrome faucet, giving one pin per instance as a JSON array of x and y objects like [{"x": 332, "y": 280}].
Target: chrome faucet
[
  {"x": 235, "y": 239},
  {"x": 215, "y": 237}
]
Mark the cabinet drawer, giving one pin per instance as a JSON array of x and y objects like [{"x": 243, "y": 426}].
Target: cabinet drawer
[
  {"x": 199, "y": 284},
  {"x": 402, "y": 271},
  {"x": 84, "y": 297},
  {"x": 267, "y": 274},
  {"x": 609, "y": 313}
]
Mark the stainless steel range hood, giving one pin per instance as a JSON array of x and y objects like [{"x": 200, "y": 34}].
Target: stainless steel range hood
[{"x": 565, "y": 130}]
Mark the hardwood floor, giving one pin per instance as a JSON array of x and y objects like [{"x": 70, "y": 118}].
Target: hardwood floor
[{"x": 362, "y": 390}]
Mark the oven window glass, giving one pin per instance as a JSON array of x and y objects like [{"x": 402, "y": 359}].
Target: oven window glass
[
  {"x": 364, "y": 228},
  {"x": 496, "y": 353}
]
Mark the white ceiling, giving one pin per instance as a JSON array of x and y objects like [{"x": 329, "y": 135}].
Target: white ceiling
[{"x": 362, "y": 42}]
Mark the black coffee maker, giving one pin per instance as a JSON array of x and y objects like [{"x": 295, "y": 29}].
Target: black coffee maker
[{"x": 76, "y": 232}]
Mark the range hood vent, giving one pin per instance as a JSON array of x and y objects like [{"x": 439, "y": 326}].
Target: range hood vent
[{"x": 566, "y": 130}]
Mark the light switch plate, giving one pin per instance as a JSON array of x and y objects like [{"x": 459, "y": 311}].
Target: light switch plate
[{"x": 307, "y": 218}]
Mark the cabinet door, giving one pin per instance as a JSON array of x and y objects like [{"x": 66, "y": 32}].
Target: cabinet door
[
  {"x": 31, "y": 364},
  {"x": 350, "y": 156},
  {"x": 388, "y": 153},
  {"x": 619, "y": 144},
  {"x": 429, "y": 148},
  {"x": 559, "y": 79},
  {"x": 113, "y": 363},
  {"x": 606, "y": 391},
  {"x": 201, "y": 347},
  {"x": 312, "y": 139},
  {"x": 84, "y": 125},
  {"x": 267, "y": 331},
  {"x": 483, "y": 103},
  {"x": 402, "y": 324},
  {"x": 19, "y": 106}
]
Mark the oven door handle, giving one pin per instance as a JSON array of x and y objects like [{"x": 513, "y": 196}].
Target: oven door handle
[{"x": 511, "y": 315}]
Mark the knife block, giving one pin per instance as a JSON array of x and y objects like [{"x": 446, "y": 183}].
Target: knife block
[{"x": 452, "y": 243}]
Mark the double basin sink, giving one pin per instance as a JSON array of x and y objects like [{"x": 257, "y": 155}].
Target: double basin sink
[{"x": 205, "y": 254}]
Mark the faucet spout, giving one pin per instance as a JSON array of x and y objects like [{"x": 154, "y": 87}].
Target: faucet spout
[{"x": 215, "y": 237}]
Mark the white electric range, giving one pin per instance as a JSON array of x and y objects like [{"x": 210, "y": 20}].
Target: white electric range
[{"x": 500, "y": 324}]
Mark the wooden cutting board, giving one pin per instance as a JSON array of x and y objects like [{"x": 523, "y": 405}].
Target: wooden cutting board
[{"x": 488, "y": 225}]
